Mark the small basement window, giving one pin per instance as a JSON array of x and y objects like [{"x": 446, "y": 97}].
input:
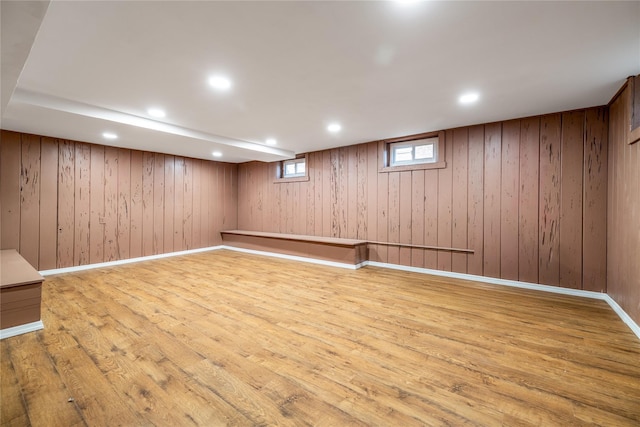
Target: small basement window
[
  {"x": 414, "y": 152},
  {"x": 294, "y": 168}
]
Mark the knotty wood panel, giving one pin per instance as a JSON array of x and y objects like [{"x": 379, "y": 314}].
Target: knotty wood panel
[
  {"x": 383, "y": 214},
  {"x": 147, "y": 203},
  {"x": 97, "y": 229},
  {"x": 178, "y": 205},
  {"x": 372, "y": 200},
  {"x": 445, "y": 189},
  {"x": 137, "y": 225},
  {"x": 85, "y": 203},
  {"x": 66, "y": 203},
  {"x": 623, "y": 209},
  {"x": 594, "y": 240},
  {"x": 111, "y": 251},
  {"x": 352, "y": 191},
  {"x": 571, "y": 163},
  {"x": 82, "y": 211},
  {"x": 362, "y": 191},
  {"x": 459, "y": 224},
  {"x": 169, "y": 204},
  {"x": 48, "y": 203},
  {"x": 475, "y": 263},
  {"x": 10, "y": 165},
  {"x": 405, "y": 216},
  {"x": 509, "y": 196},
  {"x": 417, "y": 217},
  {"x": 431, "y": 217},
  {"x": 30, "y": 199},
  {"x": 393, "y": 223},
  {"x": 528, "y": 200},
  {"x": 549, "y": 247},
  {"x": 492, "y": 171}
]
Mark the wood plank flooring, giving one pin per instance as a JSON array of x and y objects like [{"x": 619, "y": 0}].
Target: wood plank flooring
[{"x": 223, "y": 338}]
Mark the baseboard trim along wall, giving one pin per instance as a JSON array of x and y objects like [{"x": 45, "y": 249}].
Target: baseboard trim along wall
[
  {"x": 495, "y": 281},
  {"x": 21, "y": 329}
]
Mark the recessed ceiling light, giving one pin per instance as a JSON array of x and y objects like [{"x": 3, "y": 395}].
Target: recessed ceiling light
[
  {"x": 217, "y": 154},
  {"x": 109, "y": 135},
  {"x": 220, "y": 82},
  {"x": 156, "y": 112},
  {"x": 334, "y": 127},
  {"x": 271, "y": 141},
  {"x": 468, "y": 98}
]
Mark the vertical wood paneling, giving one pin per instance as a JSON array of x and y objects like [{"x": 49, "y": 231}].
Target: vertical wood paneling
[
  {"x": 405, "y": 194},
  {"x": 30, "y": 199},
  {"x": 383, "y": 215},
  {"x": 178, "y": 204},
  {"x": 148, "y": 166},
  {"x": 431, "y": 217},
  {"x": 169, "y": 202},
  {"x": 111, "y": 252},
  {"x": 549, "y": 265},
  {"x": 308, "y": 194},
  {"x": 528, "y": 200},
  {"x": 215, "y": 205},
  {"x": 96, "y": 230},
  {"x": 137, "y": 207},
  {"x": 361, "y": 208},
  {"x": 10, "y": 154},
  {"x": 417, "y": 217},
  {"x": 124, "y": 203},
  {"x": 342, "y": 183},
  {"x": 492, "y": 173},
  {"x": 594, "y": 242},
  {"x": 187, "y": 222},
  {"x": 205, "y": 182},
  {"x": 459, "y": 224},
  {"x": 475, "y": 262},
  {"x": 319, "y": 190},
  {"x": 510, "y": 178},
  {"x": 196, "y": 231},
  {"x": 393, "y": 224},
  {"x": 66, "y": 203},
  {"x": 571, "y": 162},
  {"x": 82, "y": 215},
  {"x": 159, "y": 169},
  {"x": 372, "y": 199},
  {"x": 445, "y": 192},
  {"x": 328, "y": 192},
  {"x": 49, "y": 203},
  {"x": 352, "y": 191},
  {"x": 232, "y": 201}
]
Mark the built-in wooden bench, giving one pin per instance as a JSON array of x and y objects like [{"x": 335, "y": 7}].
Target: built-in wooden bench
[
  {"x": 345, "y": 251},
  {"x": 20, "y": 295}
]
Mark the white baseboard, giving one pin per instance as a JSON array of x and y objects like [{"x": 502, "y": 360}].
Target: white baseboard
[
  {"x": 125, "y": 261},
  {"x": 297, "y": 258},
  {"x": 523, "y": 285},
  {"x": 21, "y": 329}
]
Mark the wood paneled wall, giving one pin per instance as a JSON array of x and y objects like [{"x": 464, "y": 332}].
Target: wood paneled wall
[
  {"x": 528, "y": 196},
  {"x": 623, "y": 217},
  {"x": 66, "y": 203}
]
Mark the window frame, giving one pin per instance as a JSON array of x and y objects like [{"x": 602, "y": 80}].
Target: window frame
[
  {"x": 385, "y": 149},
  {"x": 280, "y": 168}
]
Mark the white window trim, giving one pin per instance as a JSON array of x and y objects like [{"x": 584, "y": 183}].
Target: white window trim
[
  {"x": 280, "y": 178},
  {"x": 413, "y": 144},
  {"x": 385, "y": 153}
]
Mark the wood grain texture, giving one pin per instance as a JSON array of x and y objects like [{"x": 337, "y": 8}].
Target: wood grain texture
[
  {"x": 459, "y": 223},
  {"x": 509, "y": 197},
  {"x": 82, "y": 205},
  {"x": 66, "y": 203},
  {"x": 528, "y": 200},
  {"x": 405, "y": 217},
  {"x": 48, "y": 203},
  {"x": 492, "y": 224},
  {"x": 572, "y": 160},
  {"x": 445, "y": 191},
  {"x": 549, "y": 217},
  {"x": 30, "y": 199},
  {"x": 475, "y": 263},
  {"x": 10, "y": 165},
  {"x": 233, "y": 339},
  {"x": 85, "y": 203},
  {"x": 594, "y": 236},
  {"x": 169, "y": 203},
  {"x": 623, "y": 206}
]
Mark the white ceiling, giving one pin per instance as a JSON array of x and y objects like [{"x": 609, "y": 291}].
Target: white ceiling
[{"x": 77, "y": 69}]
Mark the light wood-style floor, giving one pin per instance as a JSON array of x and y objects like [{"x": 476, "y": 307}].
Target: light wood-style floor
[{"x": 223, "y": 338}]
